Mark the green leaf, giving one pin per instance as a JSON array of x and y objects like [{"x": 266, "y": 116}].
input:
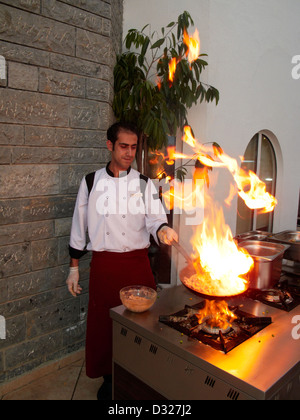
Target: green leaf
[
  {"x": 158, "y": 43},
  {"x": 145, "y": 46},
  {"x": 146, "y": 26},
  {"x": 181, "y": 173}
]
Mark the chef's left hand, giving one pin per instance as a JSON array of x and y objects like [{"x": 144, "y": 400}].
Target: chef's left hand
[{"x": 166, "y": 235}]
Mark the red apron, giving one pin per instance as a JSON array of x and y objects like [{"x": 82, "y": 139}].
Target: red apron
[{"x": 110, "y": 272}]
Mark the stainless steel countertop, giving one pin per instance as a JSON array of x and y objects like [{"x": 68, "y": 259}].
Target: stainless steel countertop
[{"x": 259, "y": 366}]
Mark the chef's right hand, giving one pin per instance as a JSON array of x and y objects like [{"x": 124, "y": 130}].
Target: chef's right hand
[
  {"x": 167, "y": 235},
  {"x": 73, "y": 280}
]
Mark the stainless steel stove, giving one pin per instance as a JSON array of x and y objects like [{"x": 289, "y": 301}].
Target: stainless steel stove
[{"x": 167, "y": 364}]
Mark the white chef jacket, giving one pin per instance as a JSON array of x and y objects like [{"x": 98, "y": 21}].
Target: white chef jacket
[{"x": 115, "y": 214}]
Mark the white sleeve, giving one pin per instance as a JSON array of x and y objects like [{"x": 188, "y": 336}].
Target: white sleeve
[
  {"x": 155, "y": 213},
  {"x": 79, "y": 221}
]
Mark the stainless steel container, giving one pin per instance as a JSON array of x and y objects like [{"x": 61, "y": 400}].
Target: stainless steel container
[
  {"x": 267, "y": 258},
  {"x": 255, "y": 235},
  {"x": 291, "y": 238}
]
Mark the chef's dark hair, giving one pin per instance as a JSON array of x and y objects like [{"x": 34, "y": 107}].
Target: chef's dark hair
[{"x": 115, "y": 129}]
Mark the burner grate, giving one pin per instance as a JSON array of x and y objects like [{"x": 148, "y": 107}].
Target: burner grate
[
  {"x": 285, "y": 295},
  {"x": 245, "y": 326}
]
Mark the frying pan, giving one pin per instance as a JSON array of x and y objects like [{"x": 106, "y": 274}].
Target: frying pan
[{"x": 190, "y": 270}]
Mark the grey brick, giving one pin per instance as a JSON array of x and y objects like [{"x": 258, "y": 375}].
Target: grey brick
[
  {"x": 52, "y": 317},
  {"x": 98, "y": 7},
  {"x": 34, "y": 349},
  {"x": 27, "y": 285},
  {"x": 45, "y": 136},
  {"x": 97, "y": 89},
  {"x": 31, "y": 5},
  {"x": 35, "y": 209},
  {"x": 23, "y": 54},
  {"x": 49, "y": 208},
  {"x": 15, "y": 331},
  {"x": 14, "y": 259},
  {"x": 89, "y": 114},
  {"x": 57, "y": 276},
  {"x": 74, "y": 333},
  {"x": 5, "y": 155},
  {"x": 63, "y": 226},
  {"x": 59, "y": 83},
  {"x": 28, "y": 180},
  {"x": 72, "y": 15},
  {"x": 44, "y": 253},
  {"x": 34, "y": 302},
  {"x": 2, "y": 374},
  {"x": 63, "y": 249},
  {"x": 3, "y": 291},
  {"x": 71, "y": 176},
  {"x": 11, "y": 134},
  {"x": 23, "y": 76},
  {"x": 25, "y": 232},
  {"x": 58, "y": 155},
  {"x": 93, "y": 47},
  {"x": 20, "y": 107},
  {"x": 36, "y": 31},
  {"x": 78, "y": 66}
]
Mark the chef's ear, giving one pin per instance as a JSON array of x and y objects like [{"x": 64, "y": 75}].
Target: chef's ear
[{"x": 110, "y": 145}]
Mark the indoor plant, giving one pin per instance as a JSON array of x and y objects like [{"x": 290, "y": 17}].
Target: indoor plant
[{"x": 145, "y": 94}]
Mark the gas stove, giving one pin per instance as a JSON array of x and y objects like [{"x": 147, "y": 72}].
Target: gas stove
[
  {"x": 258, "y": 358},
  {"x": 284, "y": 296},
  {"x": 241, "y": 329}
]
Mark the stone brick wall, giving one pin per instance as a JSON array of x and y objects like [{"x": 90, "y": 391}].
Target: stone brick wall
[{"x": 55, "y": 106}]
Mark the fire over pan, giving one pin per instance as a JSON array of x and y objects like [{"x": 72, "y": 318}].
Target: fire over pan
[{"x": 189, "y": 271}]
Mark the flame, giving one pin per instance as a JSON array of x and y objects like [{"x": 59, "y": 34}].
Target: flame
[
  {"x": 216, "y": 315},
  {"x": 171, "y": 150},
  {"x": 158, "y": 82},
  {"x": 172, "y": 69},
  {"x": 250, "y": 188},
  {"x": 188, "y": 137},
  {"x": 193, "y": 44},
  {"x": 220, "y": 266},
  {"x": 257, "y": 197},
  {"x": 192, "y": 53},
  {"x": 156, "y": 157},
  {"x": 184, "y": 196}
]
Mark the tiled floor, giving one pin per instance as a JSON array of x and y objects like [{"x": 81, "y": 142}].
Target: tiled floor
[{"x": 68, "y": 383}]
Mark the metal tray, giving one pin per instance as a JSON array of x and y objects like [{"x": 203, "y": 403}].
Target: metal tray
[
  {"x": 264, "y": 251},
  {"x": 291, "y": 238},
  {"x": 255, "y": 235}
]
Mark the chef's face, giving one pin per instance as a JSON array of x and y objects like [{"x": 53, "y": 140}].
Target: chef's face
[{"x": 124, "y": 150}]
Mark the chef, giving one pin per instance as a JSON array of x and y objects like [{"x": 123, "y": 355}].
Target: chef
[{"x": 119, "y": 208}]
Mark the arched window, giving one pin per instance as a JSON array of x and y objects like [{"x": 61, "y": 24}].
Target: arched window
[{"x": 259, "y": 158}]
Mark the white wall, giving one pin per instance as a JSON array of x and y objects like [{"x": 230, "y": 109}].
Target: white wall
[
  {"x": 250, "y": 51},
  {"x": 250, "y": 45}
]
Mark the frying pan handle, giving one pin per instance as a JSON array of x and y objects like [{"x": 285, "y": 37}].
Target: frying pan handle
[{"x": 182, "y": 252}]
